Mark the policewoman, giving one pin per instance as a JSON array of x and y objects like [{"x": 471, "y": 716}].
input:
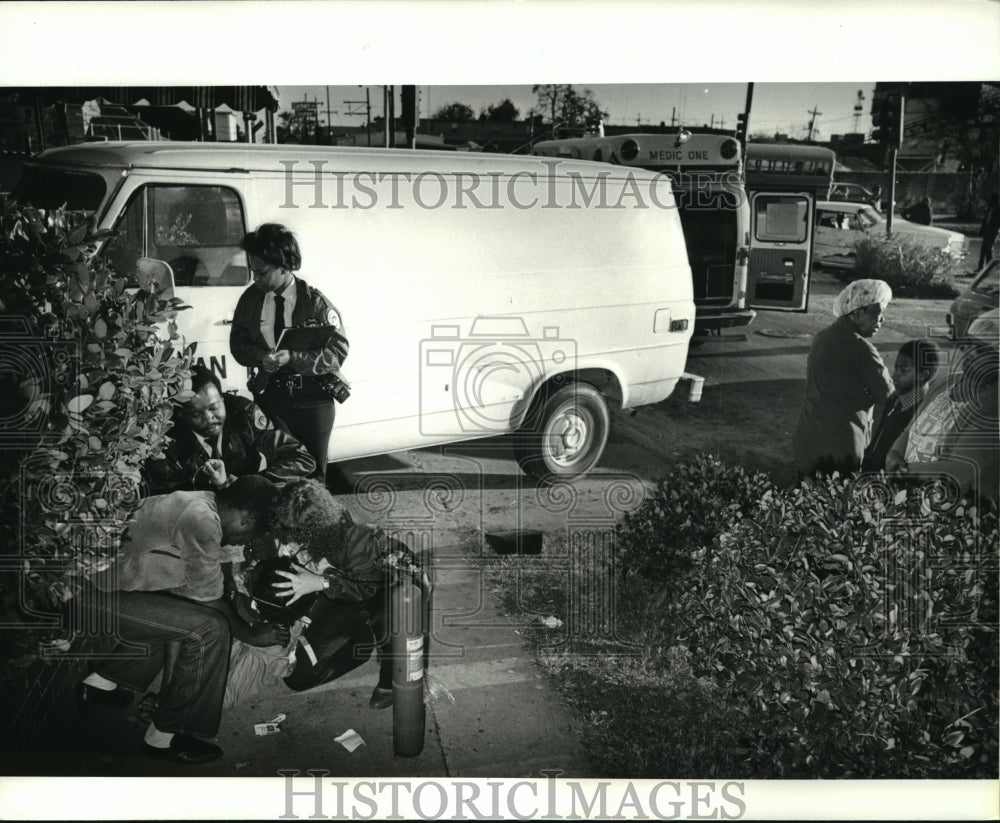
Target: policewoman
[{"x": 295, "y": 388}]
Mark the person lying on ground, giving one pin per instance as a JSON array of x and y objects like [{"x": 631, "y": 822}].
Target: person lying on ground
[{"x": 338, "y": 576}]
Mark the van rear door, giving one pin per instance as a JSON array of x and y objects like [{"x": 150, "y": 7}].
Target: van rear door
[{"x": 780, "y": 251}]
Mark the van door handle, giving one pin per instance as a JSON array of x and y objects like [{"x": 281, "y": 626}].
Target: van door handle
[{"x": 224, "y": 323}]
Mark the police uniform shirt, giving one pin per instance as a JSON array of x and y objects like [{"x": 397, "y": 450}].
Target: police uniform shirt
[
  {"x": 207, "y": 445},
  {"x": 267, "y": 312}
]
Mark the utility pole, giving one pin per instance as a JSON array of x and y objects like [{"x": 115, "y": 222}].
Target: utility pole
[
  {"x": 392, "y": 117},
  {"x": 743, "y": 121},
  {"x": 367, "y": 113},
  {"x": 673, "y": 117},
  {"x": 812, "y": 123},
  {"x": 385, "y": 115}
]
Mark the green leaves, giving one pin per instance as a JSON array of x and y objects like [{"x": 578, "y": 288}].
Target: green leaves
[
  {"x": 851, "y": 630},
  {"x": 105, "y": 396}
]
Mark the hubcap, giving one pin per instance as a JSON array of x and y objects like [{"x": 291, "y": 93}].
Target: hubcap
[{"x": 569, "y": 434}]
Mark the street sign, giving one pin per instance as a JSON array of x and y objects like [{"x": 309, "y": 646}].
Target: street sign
[{"x": 307, "y": 110}]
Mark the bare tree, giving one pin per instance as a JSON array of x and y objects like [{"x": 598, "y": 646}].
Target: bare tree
[{"x": 568, "y": 108}]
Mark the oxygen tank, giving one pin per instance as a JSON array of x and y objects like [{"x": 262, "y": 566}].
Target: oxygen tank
[{"x": 407, "y": 643}]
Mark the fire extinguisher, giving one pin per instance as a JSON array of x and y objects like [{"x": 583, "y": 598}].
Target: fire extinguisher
[{"x": 408, "y": 625}]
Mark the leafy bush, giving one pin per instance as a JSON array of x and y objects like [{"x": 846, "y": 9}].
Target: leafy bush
[
  {"x": 909, "y": 267},
  {"x": 88, "y": 396},
  {"x": 689, "y": 509},
  {"x": 856, "y": 631}
]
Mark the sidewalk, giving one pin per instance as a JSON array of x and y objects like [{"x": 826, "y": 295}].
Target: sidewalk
[{"x": 496, "y": 714}]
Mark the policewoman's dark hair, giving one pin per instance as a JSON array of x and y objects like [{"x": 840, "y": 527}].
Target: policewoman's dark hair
[{"x": 273, "y": 244}]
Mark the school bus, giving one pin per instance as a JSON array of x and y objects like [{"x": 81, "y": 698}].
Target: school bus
[{"x": 748, "y": 250}]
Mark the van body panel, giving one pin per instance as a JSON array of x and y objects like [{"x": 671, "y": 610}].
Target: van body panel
[{"x": 465, "y": 283}]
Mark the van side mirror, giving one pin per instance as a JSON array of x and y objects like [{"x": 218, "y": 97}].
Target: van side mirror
[{"x": 155, "y": 276}]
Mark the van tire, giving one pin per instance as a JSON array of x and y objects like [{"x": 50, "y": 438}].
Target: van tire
[{"x": 565, "y": 434}]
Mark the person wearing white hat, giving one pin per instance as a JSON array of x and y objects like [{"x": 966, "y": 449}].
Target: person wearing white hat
[
  {"x": 956, "y": 433},
  {"x": 845, "y": 379}
]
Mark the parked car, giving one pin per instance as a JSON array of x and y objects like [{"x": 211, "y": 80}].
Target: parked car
[
  {"x": 840, "y": 225},
  {"x": 980, "y": 297},
  {"x": 851, "y": 193}
]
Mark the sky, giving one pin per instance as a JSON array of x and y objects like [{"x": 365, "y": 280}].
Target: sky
[{"x": 784, "y": 107}]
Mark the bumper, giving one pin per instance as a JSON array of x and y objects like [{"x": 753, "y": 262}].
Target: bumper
[{"x": 709, "y": 320}]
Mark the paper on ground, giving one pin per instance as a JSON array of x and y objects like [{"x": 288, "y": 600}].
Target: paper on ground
[{"x": 350, "y": 740}]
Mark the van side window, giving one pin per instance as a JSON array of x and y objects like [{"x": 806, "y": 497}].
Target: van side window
[{"x": 196, "y": 229}]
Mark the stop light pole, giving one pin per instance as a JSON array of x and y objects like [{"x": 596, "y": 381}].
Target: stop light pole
[{"x": 888, "y": 131}]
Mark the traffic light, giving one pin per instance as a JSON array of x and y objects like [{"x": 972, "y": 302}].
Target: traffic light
[
  {"x": 887, "y": 120},
  {"x": 741, "y": 127}
]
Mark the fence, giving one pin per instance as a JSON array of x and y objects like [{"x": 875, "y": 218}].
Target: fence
[{"x": 949, "y": 191}]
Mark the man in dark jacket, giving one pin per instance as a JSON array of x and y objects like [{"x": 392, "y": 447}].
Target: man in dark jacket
[
  {"x": 919, "y": 212},
  {"x": 218, "y": 437}
]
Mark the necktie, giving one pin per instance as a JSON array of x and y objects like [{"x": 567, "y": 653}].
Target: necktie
[
  {"x": 279, "y": 317},
  {"x": 216, "y": 453}
]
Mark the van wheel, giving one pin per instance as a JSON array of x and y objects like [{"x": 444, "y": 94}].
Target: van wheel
[{"x": 565, "y": 434}]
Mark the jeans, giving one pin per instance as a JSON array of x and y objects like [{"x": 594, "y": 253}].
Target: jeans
[{"x": 194, "y": 638}]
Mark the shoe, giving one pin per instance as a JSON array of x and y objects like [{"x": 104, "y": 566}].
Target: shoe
[
  {"x": 89, "y": 697},
  {"x": 381, "y": 698},
  {"x": 185, "y": 749}
]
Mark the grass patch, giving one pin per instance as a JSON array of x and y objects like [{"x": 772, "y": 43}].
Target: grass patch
[{"x": 639, "y": 707}]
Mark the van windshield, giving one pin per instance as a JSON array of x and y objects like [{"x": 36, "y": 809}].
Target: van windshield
[{"x": 53, "y": 188}]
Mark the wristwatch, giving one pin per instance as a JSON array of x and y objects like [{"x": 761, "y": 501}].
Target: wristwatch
[{"x": 326, "y": 583}]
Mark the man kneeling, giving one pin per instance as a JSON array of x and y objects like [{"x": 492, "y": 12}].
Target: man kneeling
[{"x": 335, "y": 577}]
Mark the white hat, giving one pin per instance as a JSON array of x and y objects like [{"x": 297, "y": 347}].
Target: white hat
[{"x": 862, "y": 293}]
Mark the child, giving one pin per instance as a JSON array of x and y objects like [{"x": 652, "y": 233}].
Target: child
[{"x": 916, "y": 364}]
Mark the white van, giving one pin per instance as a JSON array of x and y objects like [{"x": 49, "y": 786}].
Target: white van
[{"x": 481, "y": 294}]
